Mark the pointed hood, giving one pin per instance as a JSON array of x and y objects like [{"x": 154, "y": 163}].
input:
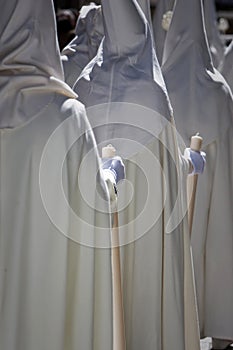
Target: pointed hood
[
  {"x": 162, "y": 8},
  {"x": 187, "y": 28},
  {"x": 199, "y": 95},
  {"x": 89, "y": 33},
  {"x": 124, "y": 71},
  {"x": 29, "y": 60},
  {"x": 128, "y": 36},
  {"x": 124, "y": 27},
  {"x": 227, "y": 66},
  {"x": 213, "y": 35}
]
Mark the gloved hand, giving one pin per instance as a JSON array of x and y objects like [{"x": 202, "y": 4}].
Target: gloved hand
[
  {"x": 197, "y": 160},
  {"x": 114, "y": 169}
]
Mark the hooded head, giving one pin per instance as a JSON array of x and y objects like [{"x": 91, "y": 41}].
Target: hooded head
[
  {"x": 122, "y": 32},
  {"x": 126, "y": 31},
  {"x": 89, "y": 33},
  {"x": 125, "y": 71},
  {"x": 90, "y": 28},
  {"x": 187, "y": 29},
  {"x": 29, "y": 59},
  {"x": 199, "y": 95},
  {"x": 128, "y": 39}
]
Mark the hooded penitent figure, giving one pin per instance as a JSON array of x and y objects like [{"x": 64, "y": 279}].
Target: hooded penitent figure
[
  {"x": 55, "y": 287},
  {"x": 89, "y": 33},
  {"x": 227, "y": 66},
  {"x": 127, "y": 105},
  {"x": 161, "y": 21},
  {"x": 202, "y": 102}
]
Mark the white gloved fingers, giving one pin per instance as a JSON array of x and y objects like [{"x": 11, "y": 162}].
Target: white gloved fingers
[
  {"x": 116, "y": 166},
  {"x": 197, "y": 160}
]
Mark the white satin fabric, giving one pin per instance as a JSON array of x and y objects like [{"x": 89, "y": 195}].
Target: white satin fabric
[
  {"x": 89, "y": 33},
  {"x": 202, "y": 102},
  {"x": 127, "y": 105},
  {"x": 55, "y": 261}
]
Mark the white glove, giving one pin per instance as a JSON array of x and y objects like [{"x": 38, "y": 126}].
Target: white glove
[
  {"x": 114, "y": 169},
  {"x": 197, "y": 160}
]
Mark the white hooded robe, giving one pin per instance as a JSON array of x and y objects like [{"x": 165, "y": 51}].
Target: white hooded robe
[
  {"x": 55, "y": 280},
  {"x": 202, "y": 102},
  {"x": 127, "y": 105}
]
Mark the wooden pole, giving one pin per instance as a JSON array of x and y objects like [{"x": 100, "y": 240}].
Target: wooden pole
[
  {"x": 119, "y": 342},
  {"x": 192, "y": 333},
  {"x": 195, "y": 145}
]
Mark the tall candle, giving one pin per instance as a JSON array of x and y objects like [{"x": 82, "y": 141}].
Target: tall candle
[
  {"x": 108, "y": 152},
  {"x": 196, "y": 142}
]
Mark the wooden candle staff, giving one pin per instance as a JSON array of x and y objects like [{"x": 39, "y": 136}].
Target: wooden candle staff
[
  {"x": 195, "y": 145},
  {"x": 119, "y": 342},
  {"x": 190, "y": 310}
]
